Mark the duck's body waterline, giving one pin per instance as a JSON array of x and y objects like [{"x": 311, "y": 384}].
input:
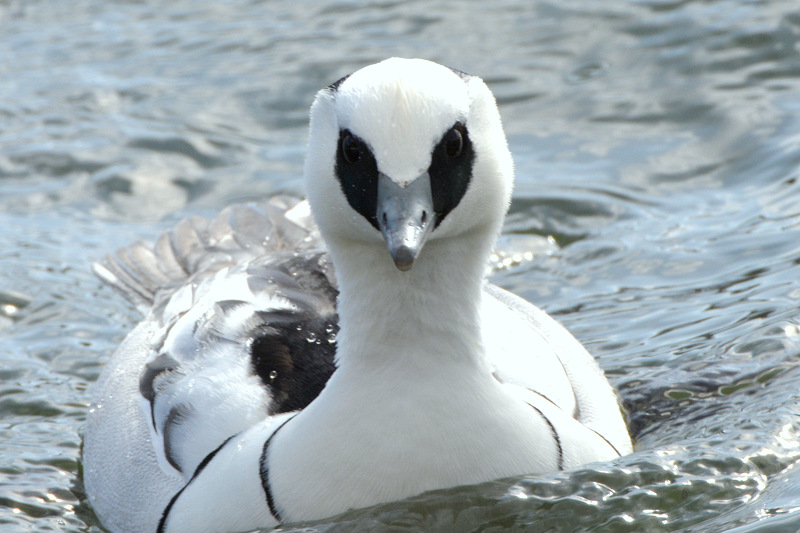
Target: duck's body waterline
[{"x": 440, "y": 380}]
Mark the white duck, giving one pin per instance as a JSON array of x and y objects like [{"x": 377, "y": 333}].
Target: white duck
[{"x": 226, "y": 409}]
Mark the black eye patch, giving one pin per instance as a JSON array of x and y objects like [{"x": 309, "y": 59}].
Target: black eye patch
[
  {"x": 357, "y": 172},
  {"x": 451, "y": 170}
]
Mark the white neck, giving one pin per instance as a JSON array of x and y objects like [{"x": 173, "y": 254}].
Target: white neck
[{"x": 413, "y": 323}]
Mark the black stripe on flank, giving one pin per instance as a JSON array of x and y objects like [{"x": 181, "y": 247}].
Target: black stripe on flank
[
  {"x": 264, "y": 472},
  {"x": 560, "y": 460},
  {"x": 607, "y": 441},
  {"x": 587, "y": 427},
  {"x": 536, "y": 392},
  {"x": 576, "y": 413},
  {"x": 544, "y": 397},
  {"x": 163, "y": 522}
]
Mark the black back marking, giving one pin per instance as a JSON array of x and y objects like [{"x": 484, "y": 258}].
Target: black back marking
[
  {"x": 177, "y": 415},
  {"x": 460, "y": 73},
  {"x": 556, "y": 438},
  {"x": 164, "y": 363},
  {"x": 334, "y": 87},
  {"x": 161, "y": 366},
  {"x": 295, "y": 359},
  {"x": 163, "y": 522},
  {"x": 264, "y": 473}
]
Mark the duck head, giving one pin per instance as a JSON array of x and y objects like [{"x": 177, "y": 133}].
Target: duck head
[{"x": 405, "y": 152}]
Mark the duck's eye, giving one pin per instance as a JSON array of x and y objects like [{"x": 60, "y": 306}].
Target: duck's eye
[
  {"x": 454, "y": 142},
  {"x": 351, "y": 148}
]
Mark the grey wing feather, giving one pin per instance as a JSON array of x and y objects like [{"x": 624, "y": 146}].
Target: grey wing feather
[
  {"x": 217, "y": 289},
  {"x": 197, "y": 246}
]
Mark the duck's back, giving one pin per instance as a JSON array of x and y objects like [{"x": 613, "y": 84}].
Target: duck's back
[{"x": 240, "y": 325}]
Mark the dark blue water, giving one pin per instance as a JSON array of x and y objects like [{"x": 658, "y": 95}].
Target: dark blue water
[{"x": 657, "y": 146}]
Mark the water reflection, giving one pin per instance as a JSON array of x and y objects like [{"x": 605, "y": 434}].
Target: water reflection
[{"x": 656, "y": 213}]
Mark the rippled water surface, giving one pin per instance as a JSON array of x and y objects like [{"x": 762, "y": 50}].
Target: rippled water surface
[{"x": 657, "y": 144}]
